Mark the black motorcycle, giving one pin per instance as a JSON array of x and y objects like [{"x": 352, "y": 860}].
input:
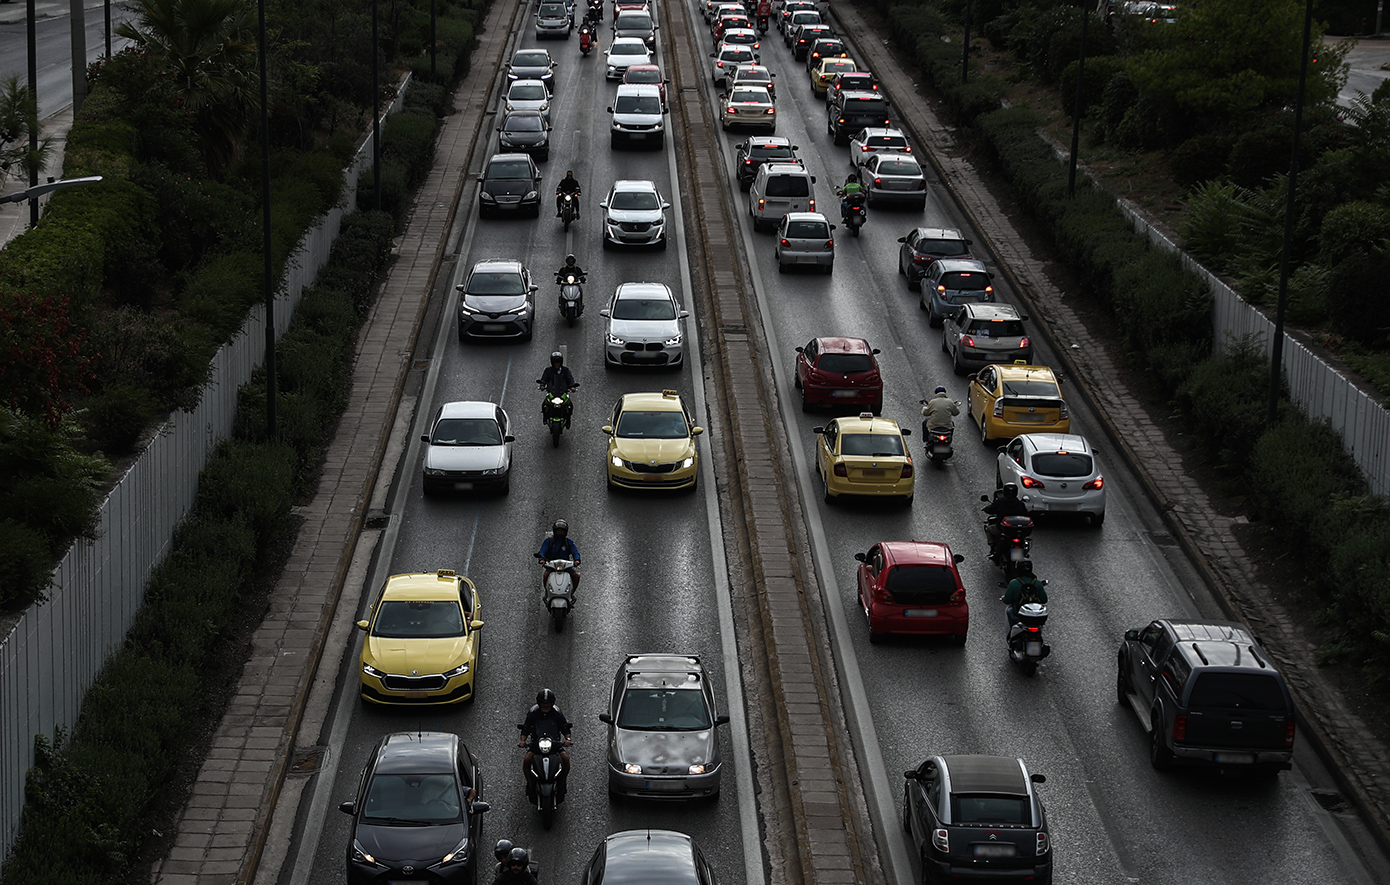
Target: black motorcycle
[
  {"x": 854, "y": 214},
  {"x": 556, "y": 409},
  {"x": 937, "y": 442},
  {"x": 569, "y": 209},
  {"x": 545, "y": 788},
  {"x": 1014, "y": 544},
  {"x": 1026, "y": 645}
]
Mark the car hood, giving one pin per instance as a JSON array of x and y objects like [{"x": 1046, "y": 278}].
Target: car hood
[
  {"x": 523, "y": 138},
  {"x": 465, "y": 457},
  {"x": 415, "y": 655},
  {"x": 529, "y": 72},
  {"x": 644, "y": 330},
  {"x": 675, "y": 751},
  {"x": 649, "y": 216},
  {"x": 637, "y": 119},
  {"x": 662, "y": 451},
  {"x": 495, "y": 303},
  {"x": 511, "y": 187},
  {"x": 418, "y": 846}
]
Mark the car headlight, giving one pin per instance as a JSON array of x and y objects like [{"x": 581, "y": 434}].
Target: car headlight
[
  {"x": 697, "y": 769},
  {"x": 494, "y": 471},
  {"x": 360, "y": 855},
  {"x": 458, "y": 854},
  {"x": 486, "y": 197},
  {"x": 457, "y": 671},
  {"x": 615, "y": 340},
  {"x": 617, "y": 462},
  {"x": 632, "y": 768},
  {"x": 511, "y": 76},
  {"x": 509, "y": 106},
  {"x": 673, "y": 341},
  {"x": 466, "y": 310},
  {"x": 373, "y": 671},
  {"x": 530, "y": 195},
  {"x": 433, "y": 471},
  {"x": 688, "y": 462}
]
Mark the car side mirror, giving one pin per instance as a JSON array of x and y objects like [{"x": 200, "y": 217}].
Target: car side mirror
[
  {"x": 480, "y": 177},
  {"x": 832, "y": 227},
  {"x": 801, "y": 350},
  {"x": 1001, "y": 450},
  {"x": 721, "y": 719},
  {"x": 902, "y": 239},
  {"x": 475, "y": 625},
  {"x": 424, "y": 437},
  {"x": 818, "y": 430},
  {"x": 1132, "y": 635},
  {"x": 348, "y": 808},
  {"x": 609, "y": 110},
  {"x": 479, "y": 807},
  {"x": 608, "y": 429},
  {"x": 813, "y": 179},
  {"x": 534, "y": 288},
  {"x": 603, "y": 313},
  {"x": 910, "y": 774},
  {"x": 859, "y": 557},
  {"x": 971, "y": 377},
  {"x": 508, "y": 438},
  {"x": 665, "y": 205},
  {"x": 1037, "y": 778},
  {"x": 906, "y": 431},
  {"x": 711, "y": 55},
  {"x": 969, "y": 242},
  {"x": 959, "y": 557},
  {"x": 684, "y": 314},
  {"x": 604, "y": 717},
  {"x": 362, "y": 625},
  {"x": 603, "y": 204},
  {"x": 873, "y": 350},
  {"x": 696, "y": 431}
]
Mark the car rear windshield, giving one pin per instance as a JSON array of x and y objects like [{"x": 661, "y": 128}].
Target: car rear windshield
[
  {"x": 643, "y": 76},
  {"x": 831, "y": 65},
  {"x": 788, "y": 186},
  {"x": 664, "y": 709},
  {"x": 866, "y": 105},
  {"x": 965, "y": 281},
  {"x": 524, "y": 123},
  {"x": 634, "y": 200},
  {"x": 927, "y": 584},
  {"x": 467, "y": 432},
  {"x": 637, "y": 104},
  {"x": 399, "y": 619},
  {"x": 1025, "y": 387},
  {"x": 996, "y": 328},
  {"x": 1237, "y": 691},
  {"x": 1063, "y": 464},
  {"x": 942, "y": 248},
  {"x": 484, "y": 282},
  {"x": 753, "y": 77},
  {"x": 736, "y": 54},
  {"x": 990, "y": 810},
  {"x": 652, "y": 425},
  {"x": 845, "y": 363},
  {"x": 771, "y": 152},
  {"x": 899, "y": 167},
  {"x": 411, "y": 799},
  {"x": 644, "y": 309},
  {"x": 879, "y": 141},
  {"x": 808, "y": 230},
  {"x": 748, "y": 96},
  {"x": 882, "y": 445}
]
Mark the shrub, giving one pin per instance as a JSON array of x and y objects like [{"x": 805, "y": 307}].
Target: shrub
[
  {"x": 409, "y": 140},
  {"x": 1354, "y": 228},
  {"x": 220, "y": 292},
  {"x": 115, "y": 419},
  {"x": 1099, "y": 71},
  {"x": 1361, "y": 311},
  {"x": 1200, "y": 159},
  {"x": 1211, "y": 222},
  {"x": 1225, "y": 400}
]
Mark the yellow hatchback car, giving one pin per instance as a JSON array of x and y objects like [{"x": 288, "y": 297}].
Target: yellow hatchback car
[
  {"x": 651, "y": 443},
  {"x": 422, "y": 640},
  {"x": 1010, "y": 400},
  {"x": 825, "y": 71},
  {"x": 864, "y": 455}
]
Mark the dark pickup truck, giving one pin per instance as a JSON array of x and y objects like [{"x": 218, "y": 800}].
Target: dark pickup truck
[{"x": 1207, "y": 694}]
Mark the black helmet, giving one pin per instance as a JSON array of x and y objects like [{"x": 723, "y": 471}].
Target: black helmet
[
  {"x": 1010, "y": 490},
  {"x": 557, "y": 358},
  {"x": 1025, "y": 566},
  {"x": 560, "y": 526},
  {"x": 569, "y": 259},
  {"x": 940, "y": 389},
  {"x": 850, "y": 178},
  {"x": 545, "y": 696},
  {"x": 503, "y": 850},
  {"x": 519, "y": 857}
]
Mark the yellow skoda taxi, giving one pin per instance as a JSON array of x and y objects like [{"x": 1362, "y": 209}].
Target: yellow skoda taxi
[
  {"x": 651, "y": 443},
  {"x": 864, "y": 456},
  {"x": 422, "y": 640},
  {"x": 1009, "y": 401}
]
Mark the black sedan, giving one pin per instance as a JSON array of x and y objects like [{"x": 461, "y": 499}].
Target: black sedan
[
  {"x": 977, "y": 817},
  {"x": 533, "y": 64},
  {"x": 760, "y": 149},
  {"x": 416, "y": 815},
  {"x": 510, "y": 183},
  {"x": 526, "y": 132},
  {"x": 642, "y": 857}
]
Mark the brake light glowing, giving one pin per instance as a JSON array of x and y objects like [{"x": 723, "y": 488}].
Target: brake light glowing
[
  {"x": 762, "y": 204},
  {"x": 785, "y": 242},
  {"x": 866, "y": 148},
  {"x": 1029, "y": 482},
  {"x": 967, "y": 341},
  {"x": 840, "y": 470},
  {"x": 1096, "y": 484},
  {"x": 1180, "y": 729},
  {"x": 878, "y": 182},
  {"x": 989, "y": 290},
  {"x": 770, "y": 111},
  {"x": 830, "y": 244},
  {"x": 1023, "y": 342},
  {"x": 941, "y": 289},
  {"x": 812, "y": 205},
  {"x": 1288, "y": 733}
]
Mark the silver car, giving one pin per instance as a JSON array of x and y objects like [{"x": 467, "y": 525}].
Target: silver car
[
  {"x": 553, "y": 20},
  {"x": 1055, "y": 473},
  {"x": 976, "y": 335},
  {"x": 894, "y": 178},
  {"x": 497, "y": 301},
  {"x": 804, "y": 238},
  {"x": 877, "y": 140},
  {"x": 468, "y": 448},
  {"x": 527, "y": 95},
  {"x": 644, "y": 327},
  {"x": 634, "y": 215},
  {"x": 662, "y": 738}
]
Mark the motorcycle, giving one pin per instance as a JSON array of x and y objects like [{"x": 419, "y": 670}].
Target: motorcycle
[
  {"x": 544, "y": 785},
  {"x": 556, "y": 410},
  {"x": 762, "y": 24},
  {"x": 571, "y": 295},
  {"x": 569, "y": 209},
  {"x": 1014, "y": 545},
  {"x": 558, "y": 594},
  {"x": 586, "y": 41},
  {"x": 1026, "y": 646},
  {"x": 937, "y": 442},
  {"x": 853, "y": 212},
  {"x": 503, "y": 852}
]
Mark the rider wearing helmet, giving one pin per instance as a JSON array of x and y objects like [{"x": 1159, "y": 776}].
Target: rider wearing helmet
[
  {"x": 558, "y": 380},
  {"x": 558, "y": 545},
  {"x": 545, "y": 710},
  {"x": 571, "y": 267},
  {"x": 852, "y": 193},
  {"x": 515, "y": 868},
  {"x": 938, "y": 412},
  {"x": 1023, "y": 589},
  {"x": 1006, "y": 503},
  {"x": 568, "y": 185}
]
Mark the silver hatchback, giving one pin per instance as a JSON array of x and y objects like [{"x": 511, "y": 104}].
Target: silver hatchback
[
  {"x": 805, "y": 238},
  {"x": 976, "y": 335},
  {"x": 1055, "y": 473}
]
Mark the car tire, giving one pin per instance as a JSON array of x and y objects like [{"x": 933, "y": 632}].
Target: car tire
[
  {"x": 661, "y": 244},
  {"x": 463, "y": 336},
  {"x": 984, "y": 430},
  {"x": 914, "y": 284},
  {"x": 959, "y": 639},
  {"x": 1098, "y": 519},
  {"x": 901, "y": 272},
  {"x": 506, "y": 488},
  {"x": 1160, "y": 757},
  {"x": 921, "y": 302},
  {"x": 426, "y": 490},
  {"x": 935, "y": 322},
  {"x": 874, "y": 638},
  {"x": 944, "y": 348},
  {"x": 998, "y": 479},
  {"x": 825, "y": 486},
  {"x": 956, "y": 365},
  {"x": 607, "y": 244},
  {"x": 1121, "y": 683},
  {"x": 829, "y": 269},
  {"x": 906, "y": 815},
  {"x": 781, "y": 268}
]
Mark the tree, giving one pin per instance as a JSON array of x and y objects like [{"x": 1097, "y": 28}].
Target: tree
[{"x": 19, "y": 118}]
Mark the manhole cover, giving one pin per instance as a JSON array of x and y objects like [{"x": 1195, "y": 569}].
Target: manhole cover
[{"x": 307, "y": 762}]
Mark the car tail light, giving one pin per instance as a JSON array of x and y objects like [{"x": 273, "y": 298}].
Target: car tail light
[
  {"x": 770, "y": 111},
  {"x": 749, "y": 162},
  {"x": 999, "y": 408},
  {"x": 731, "y": 109},
  {"x": 1095, "y": 485},
  {"x": 1044, "y": 845},
  {"x": 762, "y": 204},
  {"x": 866, "y": 148},
  {"x": 967, "y": 341},
  {"x": 1029, "y": 482},
  {"x": 1065, "y": 412},
  {"x": 840, "y": 470},
  {"x": 1179, "y": 729},
  {"x": 920, "y": 259},
  {"x": 830, "y": 244},
  {"x": 812, "y": 205},
  {"x": 907, "y": 471},
  {"x": 784, "y": 242},
  {"x": 878, "y": 182},
  {"x": 1034, "y": 629},
  {"x": 920, "y": 186},
  {"x": 957, "y": 598},
  {"x": 1023, "y": 343},
  {"x": 939, "y": 840},
  {"x": 1288, "y": 732},
  {"x": 907, "y": 149}
]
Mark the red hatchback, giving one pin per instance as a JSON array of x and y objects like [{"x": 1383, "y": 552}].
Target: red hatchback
[
  {"x": 648, "y": 74},
  {"x": 913, "y": 587},
  {"x": 841, "y": 373}
]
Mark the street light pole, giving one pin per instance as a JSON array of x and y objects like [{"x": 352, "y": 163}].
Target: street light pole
[
  {"x": 267, "y": 266},
  {"x": 434, "y": 43},
  {"x": 965, "y": 47},
  {"x": 77, "y": 27},
  {"x": 1077, "y": 107},
  {"x": 34, "y": 93},
  {"x": 39, "y": 190}
]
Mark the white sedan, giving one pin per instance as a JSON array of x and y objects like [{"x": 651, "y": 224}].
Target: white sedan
[
  {"x": 468, "y": 448},
  {"x": 877, "y": 139},
  {"x": 623, "y": 53},
  {"x": 748, "y": 106}
]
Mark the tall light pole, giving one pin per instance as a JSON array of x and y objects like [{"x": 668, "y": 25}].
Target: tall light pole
[
  {"x": 965, "y": 47},
  {"x": 34, "y": 127},
  {"x": 1077, "y": 107},
  {"x": 77, "y": 28},
  {"x": 267, "y": 268},
  {"x": 376, "y": 118},
  {"x": 1276, "y": 367}
]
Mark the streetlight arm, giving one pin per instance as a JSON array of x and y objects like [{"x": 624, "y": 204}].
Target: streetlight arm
[{"x": 39, "y": 190}]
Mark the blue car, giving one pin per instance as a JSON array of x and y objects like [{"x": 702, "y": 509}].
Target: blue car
[{"x": 951, "y": 282}]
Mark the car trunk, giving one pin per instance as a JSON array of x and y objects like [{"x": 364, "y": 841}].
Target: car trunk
[
  {"x": 921, "y": 585},
  {"x": 1031, "y": 409},
  {"x": 1237, "y": 710},
  {"x": 1063, "y": 473}
]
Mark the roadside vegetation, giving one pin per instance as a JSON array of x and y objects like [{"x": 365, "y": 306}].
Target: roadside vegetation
[{"x": 1203, "y": 107}]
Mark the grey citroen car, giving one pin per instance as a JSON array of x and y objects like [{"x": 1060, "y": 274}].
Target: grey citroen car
[{"x": 662, "y": 738}]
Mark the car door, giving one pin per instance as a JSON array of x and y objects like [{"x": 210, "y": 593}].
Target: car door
[
  {"x": 1015, "y": 463},
  {"x": 924, "y": 796},
  {"x": 1144, "y": 663},
  {"x": 805, "y": 360},
  {"x": 868, "y": 573},
  {"x": 981, "y": 392},
  {"x": 829, "y": 440}
]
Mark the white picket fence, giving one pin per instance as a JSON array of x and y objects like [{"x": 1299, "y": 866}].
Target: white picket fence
[{"x": 56, "y": 649}]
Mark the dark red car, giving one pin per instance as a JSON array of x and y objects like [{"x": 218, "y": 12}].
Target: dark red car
[
  {"x": 913, "y": 587},
  {"x": 647, "y": 74},
  {"x": 726, "y": 22},
  {"x": 841, "y": 373}
]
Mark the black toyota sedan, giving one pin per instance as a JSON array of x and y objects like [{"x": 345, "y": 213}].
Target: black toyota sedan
[
  {"x": 416, "y": 815},
  {"x": 977, "y": 817},
  {"x": 510, "y": 184}
]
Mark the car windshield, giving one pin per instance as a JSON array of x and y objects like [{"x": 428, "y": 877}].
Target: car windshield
[
  {"x": 772, "y": 152},
  {"x": 483, "y": 282},
  {"x": 634, "y": 200},
  {"x": 413, "y": 799},
  {"x": 1026, "y": 387},
  {"x": 524, "y": 123},
  {"x": 845, "y": 363},
  {"x": 996, "y": 329},
  {"x": 644, "y": 309},
  {"x": 899, "y": 167},
  {"x": 965, "y": 281},
  {"x": 652, "y": 425},
  {"x": 875, "y": 445},
  {"x": 531, "y": 58},
  {"x": 467, "y": 432},
  {"x": 664, "y": 709},
  {"x": 1237, "y": 691},
  {"x": 809, "y": 230},
  {"x": 1063, "y": 464},
  {"x": 749, "y": 96},
  {"x": 788, "y": 186},
  {"x": 990, "y": 810},
  {"x": 418, "y": 619},
  {"x": 554, "y": 10},
  {"x": 637, "y": 104},
  {"x": 629, "y": 49},
  {"x": 643, "y": 76},
  {"x": 527, "y": 92},
  {"x": 942, "y": 248}
]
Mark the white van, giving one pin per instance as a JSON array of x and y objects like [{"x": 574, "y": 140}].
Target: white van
[
  {"x": 637, "y": 116},
  {"x": 777, "y": 189}
]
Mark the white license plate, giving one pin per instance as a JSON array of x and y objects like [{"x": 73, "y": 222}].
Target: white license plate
[
  {"x": 919, "y": 613},
  {"x": 844, "y": 393},
  {"x": 637, "y": 136},
  {"x": 666, "y": 786},
  {"x": 463, "y": 486},
  {"x": 994, "y": 850},
  {"x": 1033, "y": 648},
  {"x": 1235, "y": 758},
  {"x": 494, "y": 327}
]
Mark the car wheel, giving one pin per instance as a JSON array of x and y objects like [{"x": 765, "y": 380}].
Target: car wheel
[
  {"x": 944, "y": 348},
  {"x": 959, "y": 639},
  {"x": 914, "y": 284},
  {"x": 935, "y": 322},
  {"x": 921, "y": 302},
  {"x": 796, "y": 381},
  {"x": 781, "y": 268},
  {"x": 901, "y": 272},
  {"x": 874, "y": 638},
  {"x": 1098, "y": 519},
  {"x": 1160, "y": 757},
  {"x": 506, "y": 487},
  {"x": 805, "y": 405},
  {"x": 956, "y": 365},
  {"x": 984, "y": 429},
  {"x": 427, "y": 490},
  {"x": 829, "y": 269},
  {"x": 907, "y": 815},
  {"x": 463, "y": 336},
  {"x": 661, "y": 244},
  {"x": 1121, "y": 683}
]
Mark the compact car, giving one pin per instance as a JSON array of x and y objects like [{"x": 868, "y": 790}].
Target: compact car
[
  {"x": 623, "y": 53},
  {"x": 634, "y": 215},
  {"x": 748, "y": 107},
  {"x": 839, "y": 373},
  {"x": 553, "y": 20},
  {"x": 753, "y": 75},
  {"x": 805, "y": 35},
  {"x": 821, "y": 48},
  {"x": 644, "y": 327},
  {"x": 826, "y": 70},
  {"x": 525, "y": 132},
  {"x": 804, "y": 239},
  {"x": 533, "y": 64},
  {"x": 510, "y": 185},
  {"x": 975, "y": 335},
  {"x": 759, "y": 149},
  {"x": 893, "y": 178},
  {"x": 1007, "y": 401},
  {"x": 648, "y": 75},
  {"x": 468, "y": 448},
  {"x": 924, "y": 245},
  {"x": 858, "y": 81},
  {"x": 639, "y": 857},
  {"x": 950, "y": 282},
  {"x": 727, "y": 57},
  {"x": 912, "y": 588},
  {"x": 651, "y": 443},
  {"x": 527, "y": 95},
  {"x": 875, "y": 139},
  {"x": 1055, "y": 473},
  {"x": 421, "y": 645},
  {"x": 864, "y": 456}
]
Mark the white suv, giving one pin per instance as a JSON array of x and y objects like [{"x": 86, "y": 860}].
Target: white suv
[
  {"x": 634, "y": 215},
  {"x": 644, "y": 327},
  {"x": 637, "y": 116}
]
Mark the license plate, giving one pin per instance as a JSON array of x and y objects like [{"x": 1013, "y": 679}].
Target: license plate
[
  {"x": 1033, "y": 648},
  {"x": 920, "y": 613},
  {"x": 873, "y": 474},
  {"x": 1235, "y": 758},
  {"x": 652, "y": 477},
  {"x": 463, "y": 486},
  {"x": 994, "y": 850},
  {"x": 637, "y": 136},
  {"x": 494, "y": 327},
  {"x": 1030, "y": 418},
  {"x": 844, "y": 393},
  {"x": 666, "y": 786}
]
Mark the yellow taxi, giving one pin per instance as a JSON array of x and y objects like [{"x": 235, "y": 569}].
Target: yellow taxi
[
  {"x": 651, "y": 443},
  {"x": 1010, "y": 400},
  {"x": 864, "y": 455},
  {"x": 422, "y": 640},
  {"x": 825, "y": 71}
]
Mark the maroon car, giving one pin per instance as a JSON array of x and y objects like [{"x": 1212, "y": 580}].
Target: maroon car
[
  {"x": 913, "y": 587},
  {"x": 841, "y": 373}
]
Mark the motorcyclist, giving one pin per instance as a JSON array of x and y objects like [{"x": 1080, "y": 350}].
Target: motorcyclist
[
  {"x": 1006, "y": 503},
  {"x": 545, "y": 710},
  {"x": 764, "y": 10},
  {"x": 558, "y": 380},
  {"x": 558, "y": 545},
  {"x": 938, "y": 412},
  {"x": 595, "y": 13},
  {"x": 851, "y": 193},
  {"x": 570, "y": 267},
  {"x": 1023, "y": 589},
  {"x": 516, "y": 869},
  {"x": 568, "y": 185}
]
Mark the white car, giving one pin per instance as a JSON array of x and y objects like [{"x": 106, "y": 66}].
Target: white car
[
  {"x": 727, "y": 58},
  {"x": 634, "y": 215},
  {"x": 893, "y": 178},
  {"x": 875, "y": 139},
  {"x": 623, "y": 53},
  {"x": 1055, "y": 473},
  {"x": 527, "y": 95},
  {"x": 749, "y": 106},
  {"x": 644, "y": 327},
  {"x": 468, "y": 448},
  {"x": 638, "y": 116}
]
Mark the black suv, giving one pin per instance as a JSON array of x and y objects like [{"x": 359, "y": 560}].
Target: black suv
[
  {"x": 977, "y": 817},
  {"x": 851, "y": 111},
  {"x": 924, "y": 245},
  {"x": 1207, "y": 694},
  {"x": 758, "y": 150}
]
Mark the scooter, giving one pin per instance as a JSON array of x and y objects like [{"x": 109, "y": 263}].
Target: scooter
[
  {"x": 558, "y": 594},
  {"x": 586, "y": 40},
  {"x": 571, "y": 295},
  {"x": 855, "y": 214},
  {"x": 1014, "y": 545},
  {"x": 937, "y": 442},
  {"x": 762, "y": 24},
  {"x": 569, "y": 210},
  {"x": 1026, "y": 646},
  {"x": 556, "y": 410},
  {"x": 544, "y": 785}
]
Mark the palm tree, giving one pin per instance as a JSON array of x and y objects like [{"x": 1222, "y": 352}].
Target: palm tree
[
  {"x": 19, "y": 116},
  {"x": 210, "y": 48}
]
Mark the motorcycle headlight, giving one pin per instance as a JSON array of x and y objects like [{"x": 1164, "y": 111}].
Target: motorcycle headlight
[
  {"x": 673, "y": 341},
  {"x": 632, "y": 768},
  {"x": 617, "y": 462},
  {"x": 360, "y": 855},
  {"x": 697, "y": 769},
  {"x": 615, "y": 340},
  {"x": 457, "y": 671},
  {"x": 531, "y": 195},
  {"x": 544, "y": 745},
  {"x": 373, "y": 671}
]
